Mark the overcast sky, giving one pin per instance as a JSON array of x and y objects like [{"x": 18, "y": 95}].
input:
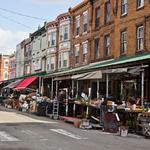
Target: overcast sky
[{"x": 12, "y": 33}]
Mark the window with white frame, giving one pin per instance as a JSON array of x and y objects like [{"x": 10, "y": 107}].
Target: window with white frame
[
  {"x": 123, "y": 7},
  {"x": 52, "y": 39},
  {"x": 52, "y": 61},
  {"x": 140, "y": 37},
  {"x": 6, "y": 63},
  {"x": 84, "y": 51},
  {"x": 107, "y": 45},
  {"x": 77, "y": 25},
  {"x": 123, "y": 42},
  {"x": 140, "y": 3},
  {"x": 5, "y": 75},
  {"x": 65, "y": 59},
  {"x": 77, "y": 53},
  {"x": 38, "y": 64},
  {"x": 64, "y": 33},
  {"x": 85, "y": 21}
]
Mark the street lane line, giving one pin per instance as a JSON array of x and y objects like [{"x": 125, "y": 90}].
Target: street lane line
[
  {"x": 66, "y": 133},
  {"x": 4, "y": 136}
]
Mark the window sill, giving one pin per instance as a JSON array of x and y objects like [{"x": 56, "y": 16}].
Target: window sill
[
  {"x": 139, "y": 8},
  {"x": 123, "y": 15}
]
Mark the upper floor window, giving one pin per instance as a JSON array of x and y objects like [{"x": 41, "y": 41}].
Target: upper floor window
[
  {"x": 59, "y": 60},
  {"x": 6, "y": 64},
  {"x": 5, "y": 75},
  {"x": 97, "y": 17},
  {"x": 123, "y": 7},
  {"x": 77, "y": 26},
  {"x": 85, "y": 21},
  {"x": 140, "y": 3},
  {"x": 65, "y": 59},
  {"x": 84, "y": 51},
  {"x": 52, "y": 63},
  {"x": 52, "y": 39},
  {"x": 96, "y": 48},
  {"x": 64, "y": 33},
  {"x": 107, "y": 12},
  {"x": 123, "y": 37},
  {"x": 140, "y": 37},
  {"x": 77, "y": 53},
  {"x": 107, "y": 45}
]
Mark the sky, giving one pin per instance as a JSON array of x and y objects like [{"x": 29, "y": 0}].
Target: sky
[{"x": 15, "y": 28}]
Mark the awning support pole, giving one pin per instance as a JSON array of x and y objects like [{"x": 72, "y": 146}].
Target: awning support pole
[
  {"x": 121, "y": 88},
  {"x": 142, "y": 88},
  {"x": 77, "y": 88},
  {"x": 40, "y": 85},
  {"x": 98, "y": 89},
  {"x": 56, "y": 88},
  {"x": 107, "y": 84},
  {"x": 72, "y": 88},
  {"x": 52, "y": 87}
]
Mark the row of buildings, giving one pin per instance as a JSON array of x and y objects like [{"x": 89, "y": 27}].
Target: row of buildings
[{"x": 93, "y": 35}]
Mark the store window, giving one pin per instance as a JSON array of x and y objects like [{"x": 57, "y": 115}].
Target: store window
[
  {"x": 84, "y": 51},
  {"x": 107, "y": 45},
  {"x": 140, "y": 3},
  {"x": 85, "y": 21},
  {"x": 77, "y": 53},
  {"x": 97, "y": 17},
  {"x": 77, "y": 25},
  {"x": 96, "y": 48},
  {"x": 140, "y": 37},
  {"x": 123, "y": 42},
  {"x": 107, "y": 12},
  {"x": 123, "y": 7}
]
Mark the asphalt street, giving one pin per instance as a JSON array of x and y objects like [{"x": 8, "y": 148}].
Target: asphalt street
[{"x": 22, "y": 131}]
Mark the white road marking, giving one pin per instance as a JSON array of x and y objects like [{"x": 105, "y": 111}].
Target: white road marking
[
  {"x": 66, "y": 133},
  {"x": 4, "y": 136}
]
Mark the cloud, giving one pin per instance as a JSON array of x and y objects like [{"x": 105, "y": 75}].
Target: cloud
[{"x": 9, "y": 40}]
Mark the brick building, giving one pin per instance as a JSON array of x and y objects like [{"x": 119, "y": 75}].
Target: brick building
[{"x": 12, "y": 66}]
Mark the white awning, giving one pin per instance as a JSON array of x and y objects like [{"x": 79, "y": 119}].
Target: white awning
[
  {"x": 76, "y": 77},
  {"x": 92, "y": 76}
]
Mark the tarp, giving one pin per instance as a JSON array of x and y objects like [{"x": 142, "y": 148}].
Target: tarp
[
  {"x": 92, "y": 76},
  {"x": 76, "y": 77},
  {"x": 13, "y": 84},
  {"x": 26, "y": 82},
  {"x": 62, "y": 78}
]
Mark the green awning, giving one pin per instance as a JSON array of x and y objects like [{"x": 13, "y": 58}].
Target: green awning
[{"x": 101, "y": 64}]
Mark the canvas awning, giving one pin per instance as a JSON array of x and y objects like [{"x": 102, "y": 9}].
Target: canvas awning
[
  {"x": 25, "y": 83},
  {"x": 117, "y": 70},
  {"x": 92, "y": 76},
  {"x": 62, "y": 78},
  {"x": 13, "y": 84},
  {"x": 76, "y": 77}
]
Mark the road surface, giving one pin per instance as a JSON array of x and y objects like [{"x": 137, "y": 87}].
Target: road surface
[{"x": 21, "y": 131}]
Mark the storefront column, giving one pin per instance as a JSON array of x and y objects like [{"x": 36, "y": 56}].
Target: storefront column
[
  {"x": 142, "y": 88},
  {"x": 97, "y": 89},
  {"x": 52, "y": 87},
  {"x": 107, "y": 84}
]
